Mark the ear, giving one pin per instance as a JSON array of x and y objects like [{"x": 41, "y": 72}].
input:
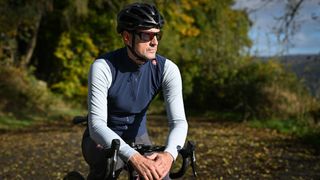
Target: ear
[{"x": 126, "y": 36}]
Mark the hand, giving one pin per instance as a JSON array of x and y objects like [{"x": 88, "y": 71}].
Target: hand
[
  {"x": 163, "y": 162},
  {"x": 145, "y": 167}
]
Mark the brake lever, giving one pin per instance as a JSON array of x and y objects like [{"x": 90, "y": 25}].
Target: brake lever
[
  {"x": 115, "y": 146},
  {"x": 193, "y": 160},
  {"x": 80, "y": 120},
  {"x": 112, "y": 159},
  {"x": 189, "y": 158},
  {"x": 191, "y": 148}
]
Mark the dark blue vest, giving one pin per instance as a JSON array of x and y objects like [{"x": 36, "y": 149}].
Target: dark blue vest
[{"x": 132, "y": 90}]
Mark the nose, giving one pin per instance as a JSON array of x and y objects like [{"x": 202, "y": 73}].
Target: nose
[{"x": 154, "y": 41}]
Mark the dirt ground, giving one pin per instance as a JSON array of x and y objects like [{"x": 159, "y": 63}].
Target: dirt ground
[{"x": 225, "y": 150}]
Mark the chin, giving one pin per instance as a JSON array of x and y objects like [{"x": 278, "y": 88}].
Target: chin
[{"x": 151, "y": 56}]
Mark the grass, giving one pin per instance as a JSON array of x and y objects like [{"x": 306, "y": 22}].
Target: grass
[
  {"x": 285, "y": 126},
  {"x": 8, "y": 122},
  {"x": 304, "y": 131}
]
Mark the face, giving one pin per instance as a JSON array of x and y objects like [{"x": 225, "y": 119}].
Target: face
[{"x": 146, "y": 42}]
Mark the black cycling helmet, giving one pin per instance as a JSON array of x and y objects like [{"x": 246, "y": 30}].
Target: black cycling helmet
[{"x": 139, "y": 16}]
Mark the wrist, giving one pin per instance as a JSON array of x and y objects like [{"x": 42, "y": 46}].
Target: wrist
[
  {"x": 169, "y": 155},
  {"x": 134, "y": 158}
]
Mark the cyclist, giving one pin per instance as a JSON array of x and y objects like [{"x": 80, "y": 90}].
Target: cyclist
[{"x": 122, "y": 83}]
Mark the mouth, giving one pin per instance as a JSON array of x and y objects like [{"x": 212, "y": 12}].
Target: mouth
[{"x": 152, "y": 50}]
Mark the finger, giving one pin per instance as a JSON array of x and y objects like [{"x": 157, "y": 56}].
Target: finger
[
  {"x": 150, "y": 174},
  {"x": 160, "y": 169},
  {"x": 145, "y": 174},
  {"x": 154, "y": 170},
  {"x": 152, "y": 156},
  {"x": 156, "y": 174},
  {"x": 165, "y": 169},
  {"x": 158, "y": 163},
  {"x": 160, "y": 172},
  {"x": 163, "y": 176}
]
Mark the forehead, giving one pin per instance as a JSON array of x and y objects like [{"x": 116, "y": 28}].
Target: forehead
[{"x": 149, "y": 30}]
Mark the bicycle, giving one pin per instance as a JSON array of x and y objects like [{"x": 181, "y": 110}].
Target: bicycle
[{"x": 187, "y": 153}]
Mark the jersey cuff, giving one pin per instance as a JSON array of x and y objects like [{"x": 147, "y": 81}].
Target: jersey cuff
[
  {"x": 126, "y": 153},
  {"x": 173, "y": 151}
]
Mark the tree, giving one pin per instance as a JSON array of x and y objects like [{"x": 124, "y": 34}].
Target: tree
[
  {"x": 79, "y": 31},
  {"x": 20, "y": 21},
  {"x": 209, "y": 37},
  {"x": 288, "y": 22}
]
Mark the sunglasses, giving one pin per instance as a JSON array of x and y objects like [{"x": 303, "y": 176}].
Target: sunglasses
[{"x": 148, "y": 36}]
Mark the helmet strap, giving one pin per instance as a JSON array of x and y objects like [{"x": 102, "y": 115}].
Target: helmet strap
[{"x": 132, "y": 50}]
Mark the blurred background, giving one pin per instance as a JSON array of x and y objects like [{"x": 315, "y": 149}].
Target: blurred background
[
  {"x": 249, "y": 59},
  {"x": 253, "y": 61}
]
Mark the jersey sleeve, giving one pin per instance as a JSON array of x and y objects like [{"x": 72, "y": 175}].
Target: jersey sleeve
[
  {"x": 172, "y": 92},
  {"x": 99, "y": 81}
]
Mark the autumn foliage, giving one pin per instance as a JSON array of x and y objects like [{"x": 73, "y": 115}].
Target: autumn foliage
[{"x": 207, "y": 39}]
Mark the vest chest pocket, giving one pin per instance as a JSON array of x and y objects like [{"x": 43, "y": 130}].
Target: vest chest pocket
[{"x": 119, "y": 123}]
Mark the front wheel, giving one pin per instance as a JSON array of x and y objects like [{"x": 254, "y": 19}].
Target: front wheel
[{"x": 73, "y": 175}]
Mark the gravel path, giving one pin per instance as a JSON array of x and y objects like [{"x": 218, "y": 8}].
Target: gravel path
[{"x": 224, "y": 151}]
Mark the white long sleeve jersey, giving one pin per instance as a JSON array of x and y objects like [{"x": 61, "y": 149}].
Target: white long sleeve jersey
[{"x": 120, "y": 93}]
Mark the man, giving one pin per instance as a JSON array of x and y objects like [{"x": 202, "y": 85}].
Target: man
[{"x": 122, "y": 84}]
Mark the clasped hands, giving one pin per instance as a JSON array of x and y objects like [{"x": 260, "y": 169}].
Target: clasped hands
[{"x": 154, "y": 166}]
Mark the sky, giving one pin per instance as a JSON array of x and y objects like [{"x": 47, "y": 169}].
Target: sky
[{"x": 305, "y": 41}]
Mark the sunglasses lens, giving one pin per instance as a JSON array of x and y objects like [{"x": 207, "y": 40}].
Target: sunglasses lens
[
  {"x": 148, "y": 36},
  {"x": 159, "y": 36}
]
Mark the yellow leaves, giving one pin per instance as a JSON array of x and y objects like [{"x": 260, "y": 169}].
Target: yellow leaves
[
  {"x": 225, "y": 161},
  {"x": 63, "y": 51},
  {"x": 181, "y": 18},
  {"x": 193, "y": 32},
  {"x": 189, "y": 4},
  {"x": 186, "y": 5},
  {"x": 75, "y": 45},
  {"x": 258, "y": 155},
  {"x": 187, "y": 19},
  {"x": 75, "y": 51},
  {"x": 89, "y": 45},
  {"x": 224, "y": 150},
  {"x": 188, "y": 31}
]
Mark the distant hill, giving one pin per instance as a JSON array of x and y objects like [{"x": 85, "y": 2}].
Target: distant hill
[{"x": 306, "y": 67}]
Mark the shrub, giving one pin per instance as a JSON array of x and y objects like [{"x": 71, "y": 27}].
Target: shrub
[
  {"x": 75, "y": 53},
  {"x": 254, "y": 89},
  {"x": 23, "y": 96}
]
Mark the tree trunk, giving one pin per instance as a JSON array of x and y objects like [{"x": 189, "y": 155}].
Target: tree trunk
[{"x": 25, "y": 59}]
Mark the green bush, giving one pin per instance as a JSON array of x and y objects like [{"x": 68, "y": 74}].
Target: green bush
[
  {"x": 254, "y": 89},
  {"x": 75, "y": 53},
  {"x": 24, "y": 97},
  {"x": 268, "y": 90}
]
